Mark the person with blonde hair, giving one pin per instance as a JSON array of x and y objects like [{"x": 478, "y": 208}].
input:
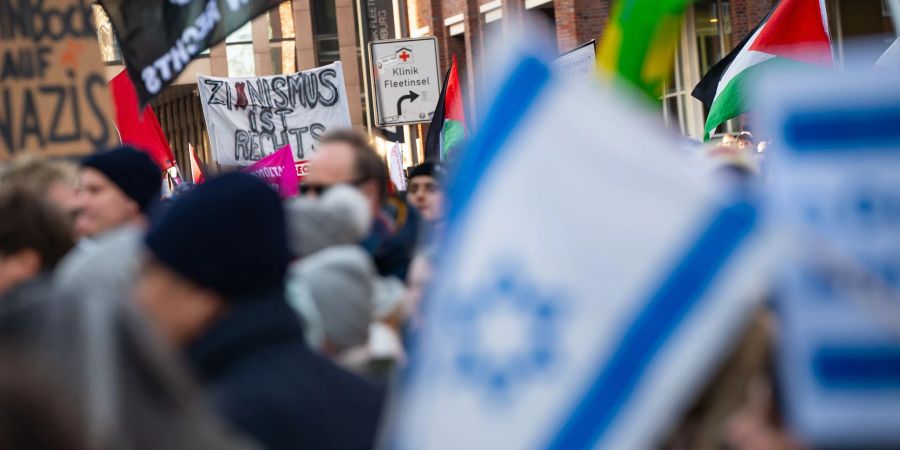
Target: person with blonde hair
[{"x": 55, "y": 181}]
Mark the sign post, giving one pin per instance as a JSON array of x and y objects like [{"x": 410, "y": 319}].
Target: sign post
[{"x": 406, "y": 80}]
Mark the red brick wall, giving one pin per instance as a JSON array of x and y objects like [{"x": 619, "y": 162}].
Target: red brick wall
[
  {"x": 579, "y": 21},
  {"x": 746, "y": 14}
]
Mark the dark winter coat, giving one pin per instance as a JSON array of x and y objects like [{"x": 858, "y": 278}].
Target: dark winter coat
[{"x": 263, "y": 378}]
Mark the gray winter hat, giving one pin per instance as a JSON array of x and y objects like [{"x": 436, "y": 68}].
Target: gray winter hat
[
  {"x": 341, "y": 216},
  {"x": 341, "y": 283}
]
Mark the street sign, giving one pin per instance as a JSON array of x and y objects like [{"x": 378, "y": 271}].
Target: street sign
[{"x": 407, "y": 80}]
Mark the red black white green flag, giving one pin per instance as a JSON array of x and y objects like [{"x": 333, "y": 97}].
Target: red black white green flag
[
  {"x": 795, "y": 31},
  {"x": 448, "y": 125}
]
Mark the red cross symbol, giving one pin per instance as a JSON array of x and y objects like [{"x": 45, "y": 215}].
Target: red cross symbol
[{"x": 404, "y": 56}]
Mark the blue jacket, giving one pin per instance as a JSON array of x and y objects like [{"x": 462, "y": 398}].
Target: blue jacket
[
  {"x": 393, "y": 238},
  {"x": 263, "y": 378}
]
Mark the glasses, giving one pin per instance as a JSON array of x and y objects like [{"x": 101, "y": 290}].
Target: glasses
[{"x": 319, "y": 189}]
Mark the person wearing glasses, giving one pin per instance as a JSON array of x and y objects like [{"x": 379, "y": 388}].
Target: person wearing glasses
[{"x": 346, "y": 157}]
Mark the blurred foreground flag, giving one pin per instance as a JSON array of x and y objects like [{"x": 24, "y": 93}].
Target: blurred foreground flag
[
  {"x": 795, "y": 31},
  {"x": 835, "y": 190},
  {"x": 639, "y": 42},
  {"x": 584, "y": 308},
  {"x": 890, "y": 59}
]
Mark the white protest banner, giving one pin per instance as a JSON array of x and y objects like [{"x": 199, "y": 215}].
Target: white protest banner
[
  {"x": 835, "y": 191},
  {"x": 395, "y": 167},
  {"x": 580, "y": 62},
  {"x": 252, "y": 117}
]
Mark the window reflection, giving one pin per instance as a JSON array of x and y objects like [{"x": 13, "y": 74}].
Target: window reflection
[
  {"x": 239, "y": 52},
  {"x": 281, "y": 38}
]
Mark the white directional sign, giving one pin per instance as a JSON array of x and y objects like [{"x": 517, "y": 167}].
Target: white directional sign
[{"x": 407, "y": 80}]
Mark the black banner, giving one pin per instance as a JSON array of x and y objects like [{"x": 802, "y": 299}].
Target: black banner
[{"x": 160, "y": 37}]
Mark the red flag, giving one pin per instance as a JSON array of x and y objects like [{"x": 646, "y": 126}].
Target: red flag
[
  {"x": 197, "y": 175},
  {"x": 796, "y": 30},
  {"x": 140, "y": 130}
]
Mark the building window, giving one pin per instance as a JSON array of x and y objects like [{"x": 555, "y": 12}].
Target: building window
[
  {"x": 325, "y": 34},
  {"x": 491, "y": 13},
  {"x": 712, "y": 26},
  {"x": 239, "y": 52},
  {"x": 109, "y": 45},
  {"x": 674, "y": 98},
  {"x": 545, "y": 9},
  {"x": 281, "y": 37},
  {"x": 706, "y": 39}
]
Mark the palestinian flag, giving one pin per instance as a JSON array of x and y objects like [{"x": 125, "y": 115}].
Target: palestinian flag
[
  {"x": 639, "y": 43},
  {"x": 448, "y": 125},
  {"x": 794, "y": 31}
]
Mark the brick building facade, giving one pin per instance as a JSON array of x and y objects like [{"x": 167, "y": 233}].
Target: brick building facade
[
  {"x": 712, "y": 28},
  {"x": 302, "y": 34}
]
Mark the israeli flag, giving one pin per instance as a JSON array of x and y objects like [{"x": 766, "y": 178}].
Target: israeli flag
[{"x": 592, "y": 277}]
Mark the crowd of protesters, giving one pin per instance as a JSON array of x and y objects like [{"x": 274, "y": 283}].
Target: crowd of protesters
[
  {"x": 226, "y": 318},
  {"x": 222, "y": 317}
]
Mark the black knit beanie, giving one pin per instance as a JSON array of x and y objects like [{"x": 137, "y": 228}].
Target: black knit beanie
[
  {"x": 430, "y": 169},
  {"x": 227, "y": 235},
  {"x": 132, "y": 171}
]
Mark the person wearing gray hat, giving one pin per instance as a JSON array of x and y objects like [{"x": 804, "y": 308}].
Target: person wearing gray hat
[{"x": 339, "y": 281}]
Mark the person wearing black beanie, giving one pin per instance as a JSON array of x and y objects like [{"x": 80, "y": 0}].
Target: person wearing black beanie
[
  {"x": 213, "y": 283},
  {"x": 117, "y": 188},
  {"x": 425, "y": 190}
]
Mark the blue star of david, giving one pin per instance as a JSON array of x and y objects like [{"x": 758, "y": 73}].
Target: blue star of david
[{"x": 530, "y": 307}]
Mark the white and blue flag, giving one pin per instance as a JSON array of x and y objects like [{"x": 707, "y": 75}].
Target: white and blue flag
[
  {"x": 591, "y": 278},
  {"x": 835, "y": 191}
]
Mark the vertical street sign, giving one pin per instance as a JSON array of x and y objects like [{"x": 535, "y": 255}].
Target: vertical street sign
[{"x": 406, "y": 80}]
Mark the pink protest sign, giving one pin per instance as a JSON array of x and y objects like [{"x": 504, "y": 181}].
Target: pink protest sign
[{"x": 278, "y": 171}]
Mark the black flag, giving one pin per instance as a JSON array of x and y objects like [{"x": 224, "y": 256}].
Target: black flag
[
  {"x": 160, "y": 37},
  {"x": 433, "y": 140}
]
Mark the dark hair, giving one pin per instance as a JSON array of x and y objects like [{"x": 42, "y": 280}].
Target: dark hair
[
  {"x": 32, "y": 415},
  {"x": 431, "y": 169},
  {"x": 30, "y": 222},
  {"x": 367, "y": 164}
]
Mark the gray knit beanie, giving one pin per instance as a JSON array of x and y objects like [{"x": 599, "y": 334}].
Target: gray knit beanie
[{"x": 340, "y": 280}]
